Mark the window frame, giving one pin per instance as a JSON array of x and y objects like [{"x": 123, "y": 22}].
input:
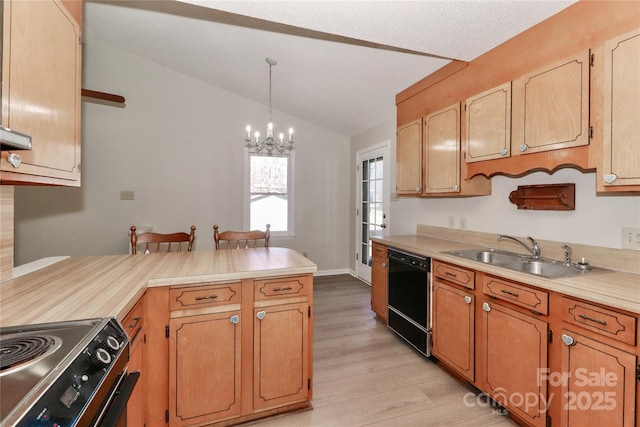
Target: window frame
[{"x": 290, "y": 232}]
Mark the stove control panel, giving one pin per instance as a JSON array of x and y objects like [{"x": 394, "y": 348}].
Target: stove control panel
[{"x": 80, "y": 391}]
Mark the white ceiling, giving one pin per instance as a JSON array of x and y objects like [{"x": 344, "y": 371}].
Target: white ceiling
[{"x": 340, "y": 63}]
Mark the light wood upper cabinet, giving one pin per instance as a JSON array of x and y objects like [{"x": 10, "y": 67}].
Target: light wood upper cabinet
[
  {"x": 409, "y": 159},
  {"x": 551, "y": 107},
  {"x": 41, "y": 84},
  {"x": 442, "y": 150},
  {"x": 621, "y": 139},
  {"x": 488, "y": 124}
]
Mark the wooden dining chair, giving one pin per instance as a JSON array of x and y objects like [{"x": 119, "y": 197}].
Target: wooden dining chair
[
  {"x": 162, "y": 240},
  {"x": 241, "y": 239}
]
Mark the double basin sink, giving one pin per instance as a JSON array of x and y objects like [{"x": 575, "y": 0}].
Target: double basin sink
[{"x": 524, "y": 263}]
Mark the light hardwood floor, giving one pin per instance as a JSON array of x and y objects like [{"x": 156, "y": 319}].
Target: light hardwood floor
[{"x": 364, "y": 375}]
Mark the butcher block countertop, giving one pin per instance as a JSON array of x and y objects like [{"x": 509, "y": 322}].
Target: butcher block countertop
[
  {"x": 108, "y": 286},
  {"x": 613, "y": 288}
]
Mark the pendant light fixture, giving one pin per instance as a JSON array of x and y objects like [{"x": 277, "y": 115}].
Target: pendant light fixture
[{"x": 269, "y": 144}]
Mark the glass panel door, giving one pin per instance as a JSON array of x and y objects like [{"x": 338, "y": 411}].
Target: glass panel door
[{"x": 372, "y": 219}]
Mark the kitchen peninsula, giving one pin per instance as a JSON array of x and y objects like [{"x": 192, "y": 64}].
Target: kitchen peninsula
[{"x": 223, "y": 325}]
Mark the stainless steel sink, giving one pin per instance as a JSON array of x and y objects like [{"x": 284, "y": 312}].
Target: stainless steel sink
[
  {"x": 514, "y": 261},
  {"x": 489, "y": 256}
]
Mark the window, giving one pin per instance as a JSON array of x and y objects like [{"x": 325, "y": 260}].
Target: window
[{"x": 270, "y": 197}]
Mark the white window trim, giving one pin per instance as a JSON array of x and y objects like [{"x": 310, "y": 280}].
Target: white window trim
[{"x": 290, "y": 199}]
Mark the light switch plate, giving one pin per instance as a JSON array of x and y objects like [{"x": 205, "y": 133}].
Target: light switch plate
[{"x": 631, "y": 238}]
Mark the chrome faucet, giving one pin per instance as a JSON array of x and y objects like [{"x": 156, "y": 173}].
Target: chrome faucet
[{"x": 534, "y": 249}]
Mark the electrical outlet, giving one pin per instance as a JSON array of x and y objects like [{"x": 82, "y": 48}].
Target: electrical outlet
[
  {"x": 463, "y": 223},
  {"x": 126, "y": 195},
  {"x": 452, "y": 222},
  {"x": 631, "y": 238}
]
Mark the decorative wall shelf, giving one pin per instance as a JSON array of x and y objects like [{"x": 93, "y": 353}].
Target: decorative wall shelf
[{"x": 545, "y": 197}]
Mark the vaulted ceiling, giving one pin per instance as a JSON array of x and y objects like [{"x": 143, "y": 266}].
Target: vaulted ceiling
[{"x": 339, "y": 63}]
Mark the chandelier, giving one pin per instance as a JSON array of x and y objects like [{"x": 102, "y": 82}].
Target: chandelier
[{"x": 269, "y": 144}]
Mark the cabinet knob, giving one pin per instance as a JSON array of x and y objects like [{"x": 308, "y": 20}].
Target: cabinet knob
[
  {"x": 486, "y": 307},
  {"x": 504, "y": 151},
  {"x": 384, "y": 265},
  {"x": 523, "y": 147},
  {"x": 417, "y": 189},
  {"x": 260, "y": 315},
  {"x": 14, "y": 160},
  {"x": 467, "y": 299},
  {"x": 609, "y": 178},
  {"x": 235, "y": 319},
  {"x": 455, "y": 187},
  {"x": 567, "y": 339}
]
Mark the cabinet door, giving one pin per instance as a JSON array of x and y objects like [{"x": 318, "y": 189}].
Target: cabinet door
[
  {"x": 515, "y": 355},
  {"x": 204, "y": 368},
  {"x": 454, "y": 328},
  {"x": 409, "y": 159},
  {"x": 281, "y": 349},
  {"x": 379, "y": 284},
  {"x": 551, "y": 107},
  {"x": 41, "y": 83},
  {"x": 621, "y": 110},
  {"x": 442, "y": 150},
  {"x": 489, "y": 124},
  {"x": 135, "y": 405},
  {"x": 598, "y": 383}
]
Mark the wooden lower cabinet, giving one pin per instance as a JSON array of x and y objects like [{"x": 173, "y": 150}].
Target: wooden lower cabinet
[
  {"x": 454, "y": 328},
  {"x": 379, "y": 281},
  {"x": 204, "y": 368},
  {"x": 232, "y": 351},
  {"x": 281, "y": 355},
  {"x": 133, "y": 324},
  {"x": 514, "y": 350},
  {"x": 598, "y": 383}
]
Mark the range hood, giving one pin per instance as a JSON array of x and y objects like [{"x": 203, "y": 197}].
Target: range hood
[{"x": 12, "y": 140}]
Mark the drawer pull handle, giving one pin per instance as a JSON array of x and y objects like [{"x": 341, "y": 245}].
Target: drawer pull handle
[
  {"x": 235, "y": 319},
  {"x": 450, "y": 274},
  {"x": 513, "y": 294},
  {"x": 206, "y": 297},
  {"x": 600, "y": 322},
  {"x": 467, "y": 299},
  {"x": 260, "y": 315},
  {"x": 288, "y": 288},
  {"x": 136, "y": 320}
]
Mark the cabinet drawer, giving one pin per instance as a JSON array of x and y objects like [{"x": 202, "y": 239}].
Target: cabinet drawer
[
  {"x": 133, "y": 321},
  {"x": 533, "y": 299},
  {"x": 379, "y": 251},
  {"x": 458, "y": 275},
  {"x": 204, "y": 296},
  {"x": 279, "y": 287},
  {"x": 609, "y": 323}
]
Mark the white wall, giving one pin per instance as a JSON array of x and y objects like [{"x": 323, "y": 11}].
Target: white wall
[
  {"x": 597, "y": 220},
  {"x": 178, "y": 144}
]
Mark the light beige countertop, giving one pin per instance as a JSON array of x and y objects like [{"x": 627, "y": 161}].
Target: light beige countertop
[
  {"x": 106, "y": 286},
  {"x": 613, "y": 288}
]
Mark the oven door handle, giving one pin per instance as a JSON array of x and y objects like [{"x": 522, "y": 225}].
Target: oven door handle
[{"x": 119, "y": 403}]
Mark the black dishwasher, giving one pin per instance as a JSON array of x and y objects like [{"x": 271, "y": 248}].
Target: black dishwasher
[{"x": 409, "y": 298}]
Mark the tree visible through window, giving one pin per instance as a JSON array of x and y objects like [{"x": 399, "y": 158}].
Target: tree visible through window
[{"x": 269, "y": 192}]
